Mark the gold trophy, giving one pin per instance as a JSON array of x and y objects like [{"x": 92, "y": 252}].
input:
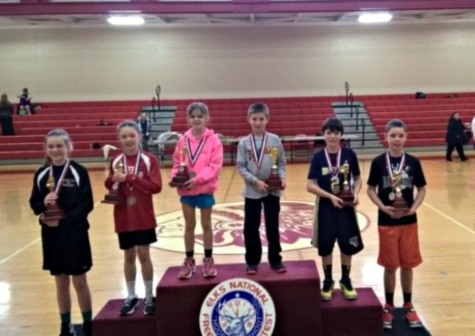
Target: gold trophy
[
  {"x": 346, "y": 194},
  {"x": 274, "y": 182},
  {"x": 53, "y": 211},
  {"x": 113, "y": 196},
  {"x": 399, "y": 204},
  {"x": 178, "y": 181}
]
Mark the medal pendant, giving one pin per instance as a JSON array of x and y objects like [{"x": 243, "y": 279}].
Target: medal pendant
[
  {"x": 392, "y": 196},
  {"x": 335, "y": 188},
  {"x": 131, "y": 200}
]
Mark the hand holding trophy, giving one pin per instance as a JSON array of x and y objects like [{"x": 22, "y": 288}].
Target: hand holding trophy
[
  {"x": 346, "y": 194},
  {"x": 113, "y": 196},
  {"x": 274, "y": 182},
  {"x": 53, "y": 213},
  {"x": 178, "y": 181},
  {"x": 400, "y": 205}
]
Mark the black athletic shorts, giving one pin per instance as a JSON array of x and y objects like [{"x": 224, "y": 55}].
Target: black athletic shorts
[{"x": 136, "y": 238}]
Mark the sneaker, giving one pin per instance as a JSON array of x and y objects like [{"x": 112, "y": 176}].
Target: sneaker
[
  {"x": 251, "y": 269},
  {"x": 327, "y": 289},
  {"x": 411, "y": 316},
  {"x": 129, "y": 306},
  {"x": 187, "y": 269},
  {"x": 149, "y": 306},
  {"x": 87, "y": 328},
  {"x": 67, "y": 329},
  {"x": 279, "y": 267},
  {"x": 209, "y": 270},
  {"x": 388, "y": 316},
  {"x": 347, "y": 288}
]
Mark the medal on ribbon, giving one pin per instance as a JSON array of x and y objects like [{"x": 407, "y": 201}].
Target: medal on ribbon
[
  {"x": 58, "y": 185},
  {"x": 132, "y": 200},
  {"x": 194, "y": 156},
  {"x": 258, "y": 153},
  {"x": 334, "y": 171},
  {"x": 395, "y": 176}
]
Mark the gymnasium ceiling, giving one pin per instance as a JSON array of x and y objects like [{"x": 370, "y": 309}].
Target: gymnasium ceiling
[{"x": 220, "y": 13}]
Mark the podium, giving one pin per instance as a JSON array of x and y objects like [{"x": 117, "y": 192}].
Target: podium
[
  {"x": 296, "y": 296},
  {"x": 109, "y": 323},
  {"x": 363, "y": 316}
]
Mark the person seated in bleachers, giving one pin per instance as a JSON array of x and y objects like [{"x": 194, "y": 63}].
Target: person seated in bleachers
[
  {"x": 144, "y": 126},
  {"x": 6, "y": 116},
  {"x": 25, "y": 106}
]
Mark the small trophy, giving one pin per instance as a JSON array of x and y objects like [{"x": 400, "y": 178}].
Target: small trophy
[
  {"x": 346, "y": 194},
  {"x": 399, "y": 204},
  {"x": 274, "y": 182},
  {"x": 113, "y": 196},
  {"x": 178, "y": 181},
  {"x": 53, "y": 211}
]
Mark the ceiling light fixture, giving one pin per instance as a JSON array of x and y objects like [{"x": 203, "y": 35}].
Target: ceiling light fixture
[
  {"x": 126, "y": 20},
  {"x": 380, "y": 17}
]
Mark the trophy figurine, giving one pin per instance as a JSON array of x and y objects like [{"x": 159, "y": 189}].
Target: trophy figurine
[
  {"x": 178, "y": 181},
  {"x": 113, "y": 196},
  {"x": 346, "y": 194},
  {"x": 399, "y": 204},
  {"x": 53, "y": 211},
  {"x": 274, "y": 182}
]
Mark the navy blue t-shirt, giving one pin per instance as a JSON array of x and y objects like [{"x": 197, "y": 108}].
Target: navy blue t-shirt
[{"x": 320, "y": 170}]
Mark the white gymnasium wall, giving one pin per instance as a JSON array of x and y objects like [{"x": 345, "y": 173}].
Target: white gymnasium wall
[{"x": 120, "y": 64}]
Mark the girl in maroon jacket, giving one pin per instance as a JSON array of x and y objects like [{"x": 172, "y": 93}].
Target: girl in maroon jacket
[{"x": 136, "y": 176}]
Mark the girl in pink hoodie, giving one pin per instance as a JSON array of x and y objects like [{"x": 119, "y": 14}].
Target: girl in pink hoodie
[{"x": 199, "y": 153}]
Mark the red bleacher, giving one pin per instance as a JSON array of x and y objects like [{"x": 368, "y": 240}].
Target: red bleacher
[
  {"x": 426, "y": 119},
  {"x": 288, "y": 116},
  {"x": 79, "y": 119}
]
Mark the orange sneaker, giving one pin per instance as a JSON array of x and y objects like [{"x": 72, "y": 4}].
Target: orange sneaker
[
  {"x": 411, "y": 316},
  {"x": 187, "y": 269},
  {"x": 388, "y": 316},
  {"x": 209, "y": 270}
]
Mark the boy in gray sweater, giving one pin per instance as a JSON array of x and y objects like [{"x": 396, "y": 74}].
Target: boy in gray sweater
[{"x": 259, "y": 154}]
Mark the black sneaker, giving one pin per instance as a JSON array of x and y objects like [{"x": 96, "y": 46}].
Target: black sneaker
[
  {"x": 149, "y": 306},
  {"x": 129, "y": 306},
  {"x": 279, "y": 267},
  {"x": 67, "y": 329},
  {"x": 87, "y": 328}
]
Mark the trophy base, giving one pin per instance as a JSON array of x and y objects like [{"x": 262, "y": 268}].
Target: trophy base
[
  {"x": 274, "y": 183},
  {"x": 53, "y": 214},
  {"x": 178, "y": 181},
  {"x": 110, "y": 199},
  {"x": 348, "y": 199},
  {"x": 400, "y": 205}
]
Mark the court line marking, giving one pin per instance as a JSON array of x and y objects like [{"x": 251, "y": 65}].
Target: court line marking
[
  {"x": 4, "y": 260},
  {"x": 449, "y": 218},
  {"x": 7, "y": 258}
]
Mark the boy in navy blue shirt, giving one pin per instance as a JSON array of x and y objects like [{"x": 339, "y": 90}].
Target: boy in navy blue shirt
[{"x": 335, "y": 220}]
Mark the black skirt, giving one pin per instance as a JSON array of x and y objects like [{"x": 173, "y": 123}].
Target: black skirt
[{"x": 66, "y": 250}]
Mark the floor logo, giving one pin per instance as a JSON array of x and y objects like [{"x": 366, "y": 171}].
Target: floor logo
[
  {"x": 296, "y": 221},
  {"x": 237, "y": 307}
]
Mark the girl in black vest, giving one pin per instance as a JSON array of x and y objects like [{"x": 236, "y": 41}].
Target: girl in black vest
[{"x": 62, "y": 197}]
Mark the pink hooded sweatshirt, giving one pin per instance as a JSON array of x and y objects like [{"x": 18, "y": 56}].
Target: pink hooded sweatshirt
[{"x": 207, "y": 153}]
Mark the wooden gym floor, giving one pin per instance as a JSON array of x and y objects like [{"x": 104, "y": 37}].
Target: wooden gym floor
[{"x": 444, "y": 286}]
